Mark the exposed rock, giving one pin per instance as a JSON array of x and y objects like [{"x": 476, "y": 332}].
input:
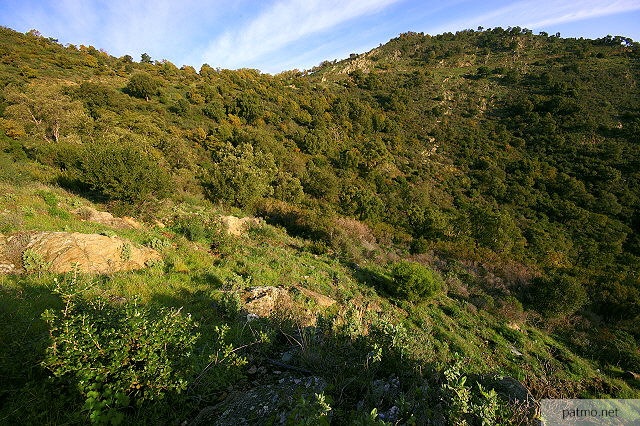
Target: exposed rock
[
  {"x": 514, "y": 350},
  {"x": 391, "y": 415},
  {"x": 265, "y": 300},
  {"x": 513, "y": 326},
  {"x": 63, "y": 251},
  {"x": 105, "y": 218},
  {"x": 266, "y": 404},
  {"x": 509, "y": 388},
  {"x": 385, "y": 389},
  {"x": 630, "y": 375},
  {"x": 238, "y": 226},
  {"x": 320, "y": 299}
]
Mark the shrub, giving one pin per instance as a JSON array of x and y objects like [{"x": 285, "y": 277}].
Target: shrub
[
  {"x": 314, "y": 412},
  {"x": 122, "y": 172},
  {"x": 119, "y": 356},
  {"x": 464, "y": 405},
  {"x": 33, "y": 261},
  {"x": 413, "y": 282},
  {"x": 158, "y": 244},
  {"x": 192, "y": 227},
  {"x": 240, "y": 176},
  {"x": 557, "y": 295}
]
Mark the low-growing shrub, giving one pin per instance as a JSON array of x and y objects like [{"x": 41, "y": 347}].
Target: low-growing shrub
[
  {"x": 119, "y": 356},
  {"x": 158, "y": 244},
  {"x": 33, "y": 261},
  {"x": 413, "y": 282},
  {"x": 315, "y": 412},
  {"x": 49, "y": 198},
  {"x": 58, "y": 212},
  {"x": 195, "y": 228}
]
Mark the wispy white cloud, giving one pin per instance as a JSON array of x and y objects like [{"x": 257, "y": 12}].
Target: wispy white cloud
[
  {"x": 121, "y": 26},
  {"x": 535, "y": 14},
  {"x": 283, "y": 23}
]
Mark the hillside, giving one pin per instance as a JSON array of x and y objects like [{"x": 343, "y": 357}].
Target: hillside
[{"x": 471, "y": 196}]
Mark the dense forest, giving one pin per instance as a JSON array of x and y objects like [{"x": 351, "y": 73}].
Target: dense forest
[{"x": 504, "y": 157}]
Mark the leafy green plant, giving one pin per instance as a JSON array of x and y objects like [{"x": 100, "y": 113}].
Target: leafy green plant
[
  {"x": 119, "y": 356},
  {"x": 49, "y": 198},
  {"x": 313, "y": 412},
  {"x": 125, "y": 252},
  {"x": 558, "y": 294},
  {"x": 464, "y": 405},
  {"x": 220, "y": 369},
  {"x": 142, "y": 85},
  {"x": 122, "y": 172},
  {"x": 370, "y": 419},
  {"x": 193, "y": 227},
  {"x": 33, "y": 261},
  {"x": 241, "y": 175},
  {"x": 158, "y": 244},
  {"x": 58, "y": 212}
]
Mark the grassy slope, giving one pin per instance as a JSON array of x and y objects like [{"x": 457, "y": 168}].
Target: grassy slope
[{"x": 195, "y": 278}]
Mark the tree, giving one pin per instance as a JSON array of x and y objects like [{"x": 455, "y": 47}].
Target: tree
[
  {"x": 145, "y": 59},
  {"x": 240, "y": 176},
  {"x": 44, "y": 111},
  {"x": 142, "y": 85}
]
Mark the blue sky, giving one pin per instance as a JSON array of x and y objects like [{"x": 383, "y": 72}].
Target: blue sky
[{"x": 277, "y": 35}]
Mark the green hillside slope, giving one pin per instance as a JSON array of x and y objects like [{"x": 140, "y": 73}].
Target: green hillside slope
[{"x": 471, "y": 196}]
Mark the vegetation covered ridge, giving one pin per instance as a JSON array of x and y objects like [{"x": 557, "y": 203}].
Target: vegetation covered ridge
[{"x": 467, "y": 204}]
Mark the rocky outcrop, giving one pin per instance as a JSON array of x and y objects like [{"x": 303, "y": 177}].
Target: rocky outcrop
[
  {"x": 265, "y": 301},
  {"x": 238, "y": 226},
  {"x": 64, "y": 251},
  {"x": 266, "y": 404},
  {"x": 510, "y": 388},
  {"x": 105, "y": 218},
  {"x": 320, "y": 299}
]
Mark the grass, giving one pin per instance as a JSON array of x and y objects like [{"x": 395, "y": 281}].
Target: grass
[{"x": 195, "y": 278}]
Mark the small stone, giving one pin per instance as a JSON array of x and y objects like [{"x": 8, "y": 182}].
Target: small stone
[
  {"x": 630, "y": 375},
  {"x": 252, "y": 370},
  {"x": 515, "y": 351}
]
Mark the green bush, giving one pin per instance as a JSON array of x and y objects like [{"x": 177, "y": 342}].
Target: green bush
[
  {"x": 557, "y": 295},
  {"x": 240, "y": 176},
  {"x": 119, "y": 356},
  {"x": 32, "y": 261},
  {"x": 122, "y": 172},
  {"x": 192, "y": 227},
  {"x": 142, "y": 85},
  {"x": 413, "y": 281}
]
